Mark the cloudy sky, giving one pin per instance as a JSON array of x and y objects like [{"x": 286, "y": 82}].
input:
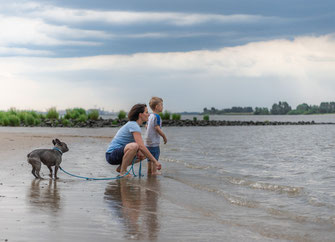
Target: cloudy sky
[{"x": 192, "y": 53}]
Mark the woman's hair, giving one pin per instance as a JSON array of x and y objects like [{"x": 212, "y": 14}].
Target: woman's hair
[{"x": 135, "y": 111}]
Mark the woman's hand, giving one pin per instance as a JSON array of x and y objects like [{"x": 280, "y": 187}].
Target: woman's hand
[
  {"x": 158, "y": 165},
  {"x": 140, "y": 155}
]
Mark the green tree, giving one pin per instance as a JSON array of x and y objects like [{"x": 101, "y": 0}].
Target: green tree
[
  {"x": 303, "y": 108},
  {"x": 280, "y": 108},
  {"x": 261, "y": 111}
]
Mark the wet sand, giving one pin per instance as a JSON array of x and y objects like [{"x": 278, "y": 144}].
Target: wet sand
[{"x": 71, "y": 209}]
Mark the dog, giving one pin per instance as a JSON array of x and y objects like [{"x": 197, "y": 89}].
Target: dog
[{"x": 49, "y": 157}]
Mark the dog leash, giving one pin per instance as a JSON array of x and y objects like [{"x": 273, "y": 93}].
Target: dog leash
[{"x": 110, "y": 178}]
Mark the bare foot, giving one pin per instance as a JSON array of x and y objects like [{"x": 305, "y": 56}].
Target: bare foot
[
  {"x": 125, "y": 176},
  {"x": 118, "y": 169}
]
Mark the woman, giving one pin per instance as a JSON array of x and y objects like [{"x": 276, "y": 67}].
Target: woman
[{"x": 127, "y": 143}]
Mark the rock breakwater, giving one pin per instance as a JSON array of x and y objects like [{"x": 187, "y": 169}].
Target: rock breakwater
[{"x": 172, "y": 123}]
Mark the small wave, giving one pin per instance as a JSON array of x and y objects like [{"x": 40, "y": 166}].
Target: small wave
[
  {"x": 301, "y": 218},
  {"x": 266, "y": 186},
  {"x": 314, "y": 201},
  {"x": 188, "y": 165},
  {"x": 241, "y": 201},
  {"x": 247, "y": 203},
  {"x": 228, "y": 197}
]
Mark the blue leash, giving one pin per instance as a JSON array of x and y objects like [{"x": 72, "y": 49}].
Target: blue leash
[{"x": 110, "y": 178}]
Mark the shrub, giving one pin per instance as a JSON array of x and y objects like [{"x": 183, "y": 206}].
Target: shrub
[
  {"x": 176, "y": 116},
  {"x": 2, "y": 116},
  {"x": 13, "y": 120},
  {"x": 22, "y": 116},
  {"x": 115, "y": 122},
  {"x": 41, "y": 116},
  {"x": 74, "y": 113},
  {"x": 12, "y": 111},
  {"x": 34, "y": 114},
  {"x": 195, "y": 119},
  {"x": 68, "y": 114},
  {"x": 166, "y": 115},
  {"x": 81, "y": 111},
  {"x": 82, "y": 118},
  {"x": 29, "y": 119},
  {"x": 37, "y": 121},
  {"x": 66, "y": 122},
  {"x": 206, "y": 117},
  {"x": 122, "y": 115},
  {"x": 93, "y": 115},
  {"x": 52, "y": 113},
  {"x": 5, "y": 121}
]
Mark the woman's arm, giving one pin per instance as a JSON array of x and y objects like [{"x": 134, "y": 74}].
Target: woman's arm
[{"x": 144, "y": 150}]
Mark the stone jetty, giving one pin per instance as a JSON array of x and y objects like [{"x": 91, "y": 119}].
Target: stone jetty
[{"x": 173, "y": 123}]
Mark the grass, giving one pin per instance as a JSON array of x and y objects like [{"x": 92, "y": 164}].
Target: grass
[
  {"x": 166, "y": 115},
  {"x": 76, "y": 115},
  {"x": 93, "y": 115},
  {"x": 52, "y": 113},
  {"x": 14, "y": 117},
  {"x": 176, "y": 116}
]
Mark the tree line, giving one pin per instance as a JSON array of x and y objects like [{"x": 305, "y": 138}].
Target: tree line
[
  {"x": 228, "y": 110},
  {"x": 280, "y": 108}
]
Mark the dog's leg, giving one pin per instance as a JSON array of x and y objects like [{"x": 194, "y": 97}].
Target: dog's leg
[
  {"x": 33, "y": 172},
  {"x": 50, "y": 169},
  {"x": 56, "y": 169},
  {"x": 36, "y": 164},
  {"x": 38, "y": 168}
]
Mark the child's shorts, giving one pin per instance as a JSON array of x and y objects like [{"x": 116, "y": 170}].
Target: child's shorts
[
  {"x": 116, "y": 156},
  {"x": 155, "y": 151}
]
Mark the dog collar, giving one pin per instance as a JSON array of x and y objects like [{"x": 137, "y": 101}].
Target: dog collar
[{"x": 55, "y": 148}]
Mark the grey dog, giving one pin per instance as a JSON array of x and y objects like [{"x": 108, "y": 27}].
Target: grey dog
[{"x": 49, "y": 157}]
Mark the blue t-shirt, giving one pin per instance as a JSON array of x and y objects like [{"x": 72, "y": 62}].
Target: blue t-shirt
[{"x": 124, "y": 136}]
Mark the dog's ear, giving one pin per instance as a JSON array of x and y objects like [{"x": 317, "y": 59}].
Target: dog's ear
[
  {"x": 54, "y": 142},
  {"x": 58, "y": 141}
]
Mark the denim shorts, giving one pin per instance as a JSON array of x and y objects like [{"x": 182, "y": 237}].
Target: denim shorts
[
  {"x": 116, "y": 156},
  {"x": 155, "y": 151}
]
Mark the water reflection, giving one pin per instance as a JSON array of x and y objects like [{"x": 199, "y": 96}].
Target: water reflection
[
  {"x": 44, "y": 194},
  {"x": 151, "y": 201},
  {"x": 135, "y": 203}
]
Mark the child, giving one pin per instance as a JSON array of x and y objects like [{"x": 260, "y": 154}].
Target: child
[{"x": 154, "y": 130}]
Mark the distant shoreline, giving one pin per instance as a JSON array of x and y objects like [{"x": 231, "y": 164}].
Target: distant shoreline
[{"x": 114, "y": 123}]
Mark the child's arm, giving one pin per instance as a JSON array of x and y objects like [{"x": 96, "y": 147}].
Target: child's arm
[{"x": 161, "y": 133}]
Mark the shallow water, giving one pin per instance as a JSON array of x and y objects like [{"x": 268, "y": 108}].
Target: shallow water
[
  {"x": 274, "y": 182},
  {"x": 268, "y": 183}
]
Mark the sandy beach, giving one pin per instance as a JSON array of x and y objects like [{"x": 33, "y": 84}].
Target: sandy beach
[{"x": 69, "y": 209}]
